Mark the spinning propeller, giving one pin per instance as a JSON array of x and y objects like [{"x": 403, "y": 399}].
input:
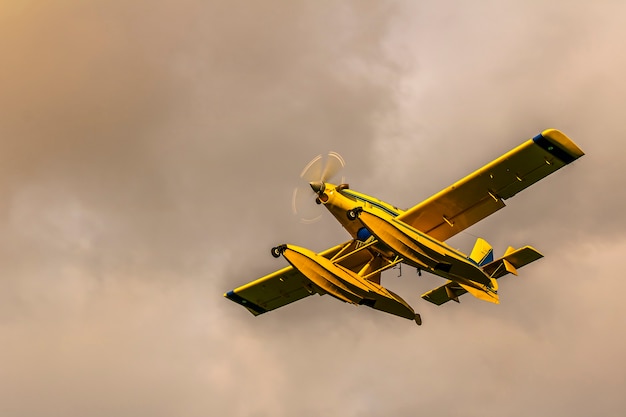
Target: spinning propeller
[{"x": 316, "y": 173}]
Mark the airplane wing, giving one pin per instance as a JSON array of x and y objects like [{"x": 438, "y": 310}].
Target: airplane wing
[
  {"x": 287, "y": 285},
  {"x": 272, "y": 291},
  {"x": 481, "y": 193},
  {"x": 449, "y": 291}
]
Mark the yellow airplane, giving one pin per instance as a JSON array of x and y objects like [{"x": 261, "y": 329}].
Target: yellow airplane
[{"x": 384, "y": 236}]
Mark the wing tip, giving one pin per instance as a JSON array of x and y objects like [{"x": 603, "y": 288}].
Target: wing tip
[
  {"x": 252, "y": 307},
  {"x": 558, "y": 144}
]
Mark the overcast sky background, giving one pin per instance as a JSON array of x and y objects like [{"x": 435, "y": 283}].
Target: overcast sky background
[{"x": 148, "y": 151}]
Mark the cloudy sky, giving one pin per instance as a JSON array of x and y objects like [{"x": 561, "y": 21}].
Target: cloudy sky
[{"x": 148, "y": 152}]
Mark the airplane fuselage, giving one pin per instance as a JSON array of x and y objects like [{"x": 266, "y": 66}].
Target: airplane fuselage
[{"x": 377, "y": 219}]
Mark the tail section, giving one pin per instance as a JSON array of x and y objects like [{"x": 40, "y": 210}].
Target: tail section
[
  {"x": 489, "y": 294},
  {"x": 482, "y": 254},
  {"x": 452, "y": 290},
  {"x": 512, "y": 260}
]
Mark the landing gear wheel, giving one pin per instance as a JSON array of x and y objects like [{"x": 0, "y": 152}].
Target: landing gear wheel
[
  {"x": 353, "y": 214},
  {"x": 277, "y": 251},
  {"x": 418, "y": 319}
]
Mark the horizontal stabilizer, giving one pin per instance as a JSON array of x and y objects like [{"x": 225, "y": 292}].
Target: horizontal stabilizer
[
  {"x": 453, "y": 290},
  {"x": 445, "y": 293},
  {"x": 490, "y": 296},
  {"x": 512, "y": 261}
]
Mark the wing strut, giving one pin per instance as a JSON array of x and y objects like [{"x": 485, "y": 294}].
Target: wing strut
[
  {"x": 392, "y": 263},
  {"x": 340, "y": 256},
  {"x": 344, "y": 254}
]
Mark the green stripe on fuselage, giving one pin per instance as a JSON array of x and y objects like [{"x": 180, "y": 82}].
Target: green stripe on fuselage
[{"x": 392, "y": 211}]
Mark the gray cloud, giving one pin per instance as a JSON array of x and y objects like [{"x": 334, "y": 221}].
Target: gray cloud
[{"x": 149, "y": 150}]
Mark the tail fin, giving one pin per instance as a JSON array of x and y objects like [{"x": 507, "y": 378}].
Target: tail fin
[{"x": 482, "y": 254}]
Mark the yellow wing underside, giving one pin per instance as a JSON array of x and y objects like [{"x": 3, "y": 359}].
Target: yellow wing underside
[{"x": 481, "y": 193}]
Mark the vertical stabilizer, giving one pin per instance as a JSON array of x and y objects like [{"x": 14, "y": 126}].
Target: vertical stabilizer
[{"x": 482, "y": 254}]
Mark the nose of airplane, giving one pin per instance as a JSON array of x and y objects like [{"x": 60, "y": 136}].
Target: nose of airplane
[{"x": 317, "y": 186}]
